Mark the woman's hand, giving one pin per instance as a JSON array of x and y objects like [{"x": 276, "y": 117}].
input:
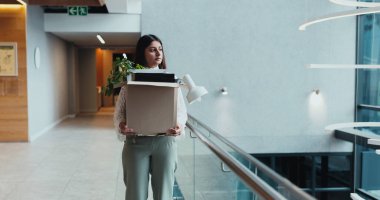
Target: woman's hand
[
  {"x": 125, "y": 130},
  {"x": 175, "y": 131}
]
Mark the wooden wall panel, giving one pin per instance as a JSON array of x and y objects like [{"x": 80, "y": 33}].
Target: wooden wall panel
[
  {"x": 10, "y": 2},
  {"x": 99, "y": 67},
  {"x": 13, "y": 89}
]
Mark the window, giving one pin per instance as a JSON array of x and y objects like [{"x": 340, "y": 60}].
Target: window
[{"x": 368, "y": 80}]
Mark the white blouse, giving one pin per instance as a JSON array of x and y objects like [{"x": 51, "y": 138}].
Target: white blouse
[{"x": 121, "y": 112}]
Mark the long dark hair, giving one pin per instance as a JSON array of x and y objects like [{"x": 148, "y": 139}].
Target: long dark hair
[{"x": 142, "y": 44}]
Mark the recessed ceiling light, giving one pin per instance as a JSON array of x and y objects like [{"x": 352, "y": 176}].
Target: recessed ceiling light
[
  {"x": 100, "y": 39},
  {"x": 22, "y": 2}
]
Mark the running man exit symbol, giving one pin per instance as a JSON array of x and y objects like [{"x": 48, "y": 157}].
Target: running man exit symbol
[{"x": 82, "y": 10}]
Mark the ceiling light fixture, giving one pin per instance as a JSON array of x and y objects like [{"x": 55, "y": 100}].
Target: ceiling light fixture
[
  {"x": 316, "y": 91},
  {"x": 343, "y": 66},
  {"x": 355, "y": 3},
  {"x": 224, "y": 90},
  {"x": 100, "y": 39},
  {"x": 338, "y": 15},
  {"x": 22, "y": 2}
]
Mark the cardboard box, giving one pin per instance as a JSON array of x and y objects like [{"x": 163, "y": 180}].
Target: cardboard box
[{"x": 151, "y": 106}]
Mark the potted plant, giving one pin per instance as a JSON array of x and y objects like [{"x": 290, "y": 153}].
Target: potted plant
[{"x": 120, "y": 70}]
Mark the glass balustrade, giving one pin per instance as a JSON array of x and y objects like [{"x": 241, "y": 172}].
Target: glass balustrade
[
  {"x": 203, "y": 174},
  {"x": 367, "y": 162},
  {"x": 200, "y": 176},
  {"x": 366, "y": 159}
]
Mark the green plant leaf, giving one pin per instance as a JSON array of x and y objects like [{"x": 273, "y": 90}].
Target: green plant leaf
[{"x": 120, "y": 70}]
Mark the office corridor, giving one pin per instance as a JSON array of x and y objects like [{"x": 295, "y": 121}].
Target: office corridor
[{"x": 78, "y": 159}]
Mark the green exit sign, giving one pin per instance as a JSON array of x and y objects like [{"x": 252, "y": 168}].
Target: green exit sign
[{"x": 77, "y": 10}]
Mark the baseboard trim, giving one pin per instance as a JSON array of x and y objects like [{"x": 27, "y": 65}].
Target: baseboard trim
[
  {"x": 46, "y": 129},
  {"x": 72, "y": 116}
]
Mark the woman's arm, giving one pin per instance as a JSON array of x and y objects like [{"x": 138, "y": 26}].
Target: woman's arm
[
  {"x": 179, "y": 129},
  {"x": 181, "y": 115},
  {"x": 120, "y": 113}
]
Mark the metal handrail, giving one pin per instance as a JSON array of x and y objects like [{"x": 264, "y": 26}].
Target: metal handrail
[
  {"x": 251, "y": 179},
  {"x": 295, "y": 191}
]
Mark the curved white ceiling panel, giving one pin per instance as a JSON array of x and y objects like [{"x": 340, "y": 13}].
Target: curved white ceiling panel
[
  {"x": 338, "y": 15},
  {"x": 355, "y": 3}
]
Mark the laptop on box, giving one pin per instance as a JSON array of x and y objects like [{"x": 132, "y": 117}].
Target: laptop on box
[
  {"x": 151, "y": 106},
  {"x": 148, "y": 75},
  {"x": 154, "y": 77}
]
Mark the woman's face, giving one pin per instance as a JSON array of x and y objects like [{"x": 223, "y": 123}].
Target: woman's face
[{"x": 154, "y": 54}]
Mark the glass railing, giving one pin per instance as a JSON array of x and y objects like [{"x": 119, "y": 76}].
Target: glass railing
[
  {"x": 366, "y": 160},
  {"x": 210, "y": 167}
]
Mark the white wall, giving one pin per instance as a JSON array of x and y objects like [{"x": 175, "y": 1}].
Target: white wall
[
  {"x": 73, "y": 76},
  {"x": 254, "y": 48},
  {"x": 48, "y": 85},
  {"x": 87, "y": 80}
]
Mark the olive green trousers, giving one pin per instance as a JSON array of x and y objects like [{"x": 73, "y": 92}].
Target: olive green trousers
[{"x": 156, "y": 156}]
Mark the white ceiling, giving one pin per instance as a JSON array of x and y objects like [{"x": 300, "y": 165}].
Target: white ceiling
[
  {"x": 89, "y": 39},
  {"x": 112, "y": 39}
]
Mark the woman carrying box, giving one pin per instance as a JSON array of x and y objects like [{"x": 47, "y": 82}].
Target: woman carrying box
[{"x": 144, "y": 155}]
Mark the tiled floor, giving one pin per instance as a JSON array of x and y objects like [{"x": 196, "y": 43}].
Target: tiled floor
[{"x": 79, "y": 159}]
